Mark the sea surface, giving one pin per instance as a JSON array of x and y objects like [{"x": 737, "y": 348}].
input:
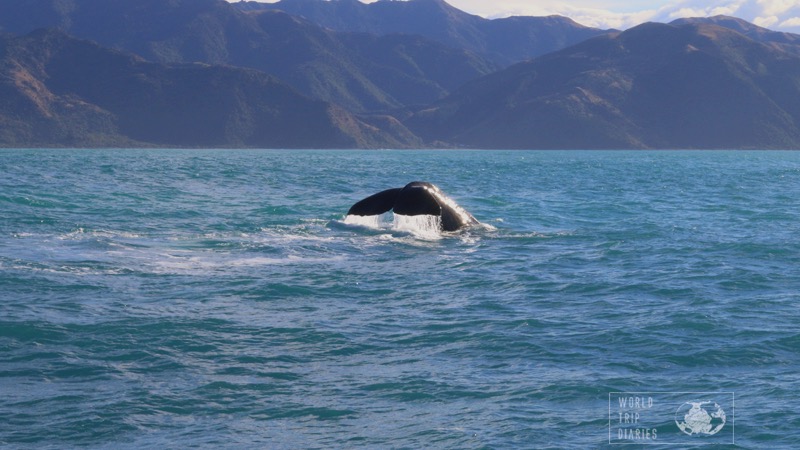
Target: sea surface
[{"x": 221, "y": 298}]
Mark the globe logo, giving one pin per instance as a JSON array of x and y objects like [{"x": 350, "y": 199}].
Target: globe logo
[{"x": 700, "y": 418}]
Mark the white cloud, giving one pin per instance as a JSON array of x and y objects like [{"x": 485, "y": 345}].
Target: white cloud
[
  {"x": 777, "y": 7},
  {"x": 766, "y": 22},
  {"x": 794, "y": 22},
  {"x": 687, "y": 12},
  {"x": 698, "y": 8}
]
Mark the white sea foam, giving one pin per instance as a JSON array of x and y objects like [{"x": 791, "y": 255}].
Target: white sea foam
[
  {"x": 81, "y": 233},
  {"x": 365, "y": 221},
  {"x": 204, "y": 264},
  {"x": 424, "y": 226}
]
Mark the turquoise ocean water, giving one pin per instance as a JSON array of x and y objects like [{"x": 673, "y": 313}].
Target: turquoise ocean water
[{"x": 172, "y": 299}]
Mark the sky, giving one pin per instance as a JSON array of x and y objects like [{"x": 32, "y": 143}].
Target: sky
[{"x": 781, "y": 15}]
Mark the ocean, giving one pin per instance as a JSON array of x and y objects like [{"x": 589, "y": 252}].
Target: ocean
[{"x": 220, "y": 298}]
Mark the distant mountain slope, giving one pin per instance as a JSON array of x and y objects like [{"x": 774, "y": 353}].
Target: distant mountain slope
[
  {"x": 785, "y": 41},
  {"x": 362, "y": 73},
  {"x": 653, "y": 86},
  {"x": 59, "y": 91},
  {"x": 505, "y": 41}
]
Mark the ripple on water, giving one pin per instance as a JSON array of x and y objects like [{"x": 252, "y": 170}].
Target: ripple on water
[{"x": 224, "y": 298}]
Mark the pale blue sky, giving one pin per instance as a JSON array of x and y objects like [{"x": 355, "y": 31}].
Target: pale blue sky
[{"x": 783, "y": 15}]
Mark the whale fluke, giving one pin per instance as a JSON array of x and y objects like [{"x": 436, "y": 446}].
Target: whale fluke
[{"x": 416, "y": 198}]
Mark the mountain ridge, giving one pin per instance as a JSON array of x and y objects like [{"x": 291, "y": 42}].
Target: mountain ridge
[
  {"x": 785, "y": 41},
  {"x": 652, "y": 86},
  {"x": 214, "y": 74},
  {"x": 504, "y": 41},
  {"x": 62, "y": 91},
  {"x": 320, "y": 63}
]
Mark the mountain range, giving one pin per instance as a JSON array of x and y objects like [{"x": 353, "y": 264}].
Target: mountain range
[
  {"x": 62, "y": 91},
  {"x": 341, "y": 74},
  {"x": 695, "y": 85},
  {"x": 360, "y": 72},
  {"x": 503, "y": 41}
]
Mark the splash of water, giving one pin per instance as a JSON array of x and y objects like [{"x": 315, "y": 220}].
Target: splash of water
[
  {"x": 365, "y": 221},
  {"x": 424, "y": 226}
]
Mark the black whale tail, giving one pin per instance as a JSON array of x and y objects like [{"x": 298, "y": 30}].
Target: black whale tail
[
  {"x": 416, "y": 198},
  {"x": 376, "y": 204}
]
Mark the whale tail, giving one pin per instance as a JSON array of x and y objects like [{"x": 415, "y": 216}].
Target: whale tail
[
  {"x": 417, "y": 198},
  {"x": 376, "y": 204}
]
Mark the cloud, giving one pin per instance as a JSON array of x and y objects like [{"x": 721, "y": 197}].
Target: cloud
[
  {"x": 777, "y": 7},
  {"x": 766, "y": 22}
]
